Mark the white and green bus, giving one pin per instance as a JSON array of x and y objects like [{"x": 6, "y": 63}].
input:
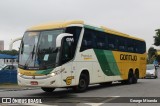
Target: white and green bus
[{"x": 74, "y": 54}]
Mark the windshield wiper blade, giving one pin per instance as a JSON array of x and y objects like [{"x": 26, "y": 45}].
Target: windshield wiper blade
[{"x": 33, "y": 51}]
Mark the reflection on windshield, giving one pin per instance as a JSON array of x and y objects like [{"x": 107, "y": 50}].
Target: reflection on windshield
[
  {"x": 47, "y": 47},
  {"x": 47, "y": 41},
  {"x": 38, "y": 49},
  {"x": 28, "y": 45}
]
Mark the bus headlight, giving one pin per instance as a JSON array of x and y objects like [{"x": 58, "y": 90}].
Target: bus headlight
[
  {"x": 52, "y": 74},
  {"x": 19, "y": 74},
  {"x": 55, "y": 73}
]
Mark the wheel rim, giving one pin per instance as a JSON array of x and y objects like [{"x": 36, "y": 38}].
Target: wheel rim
[{"x": 82, "y": 83}]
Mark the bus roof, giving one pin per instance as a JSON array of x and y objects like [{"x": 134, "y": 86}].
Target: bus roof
[
  {"x": 54, "y": 25},
  {"x": 111, "y": 31},
  {"x": 64, "y": 24}
]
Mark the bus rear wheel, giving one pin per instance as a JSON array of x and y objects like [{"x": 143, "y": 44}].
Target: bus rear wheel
[
  {"x": 130, "y": 78},
  {"x": 83, "y": 84},
  {"x": 135, "y": 79},
  {"x": 47, "y": 89}
]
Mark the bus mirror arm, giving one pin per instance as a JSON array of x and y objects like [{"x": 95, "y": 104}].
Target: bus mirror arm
[{"x": 60, "y": 37}]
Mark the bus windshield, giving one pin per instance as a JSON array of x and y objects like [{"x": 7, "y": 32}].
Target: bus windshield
[{"x": 38, "y": 49}]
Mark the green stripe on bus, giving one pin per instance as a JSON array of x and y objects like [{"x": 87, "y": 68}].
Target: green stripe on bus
[{"x": 107, "y": 62}]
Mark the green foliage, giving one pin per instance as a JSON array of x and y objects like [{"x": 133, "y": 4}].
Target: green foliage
[
  {"x": 157, "y": 38},
  {"x": 152, "y": 54},
  {"x": 9, "y": 52}
]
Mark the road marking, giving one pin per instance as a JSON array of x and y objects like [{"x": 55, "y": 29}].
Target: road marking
[
  {"x": 93, "y": 104},
  {"x": 112, "y": 98}
]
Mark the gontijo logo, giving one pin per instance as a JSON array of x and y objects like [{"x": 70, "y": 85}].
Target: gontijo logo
[{"x": 128, "y": 57}]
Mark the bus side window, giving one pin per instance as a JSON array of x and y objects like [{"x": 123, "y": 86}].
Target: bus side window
[
  {"x": 130, "y": 45},
  {"x": 111, "y": 46},
  {"x": 121, "y": 44},
  {"x": 141, "y": 47},
  {"x": 121, "y": 48},
  {"x": 87, "y": 41},
  {"x": 112, "y": 42},
  {"x": 101, "y": 41}
]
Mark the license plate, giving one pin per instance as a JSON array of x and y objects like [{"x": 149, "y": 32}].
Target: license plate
[{"x": 34, "y": 83}]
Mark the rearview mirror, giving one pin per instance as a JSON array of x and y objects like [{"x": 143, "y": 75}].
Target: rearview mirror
[{"x": 60, "y": 37}]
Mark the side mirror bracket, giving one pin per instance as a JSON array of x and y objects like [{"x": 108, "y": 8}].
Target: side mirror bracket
[{"x": 60, "y": 37}]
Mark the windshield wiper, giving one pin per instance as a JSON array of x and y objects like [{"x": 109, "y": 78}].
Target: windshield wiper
[{"x": 22, "y": 47}]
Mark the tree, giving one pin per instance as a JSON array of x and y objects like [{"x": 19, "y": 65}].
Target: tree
[
  {"x": 157, "y": 38},
  {"x": 152, "y": 54},
  {"x": 12, "y": 52}
]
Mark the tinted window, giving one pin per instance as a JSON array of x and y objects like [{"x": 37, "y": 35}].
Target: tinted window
[
  {"x": 121, "y": 46},
  {"x": 75, "y": 31},
  {"x": 112, "y": 42},
  {"x": 130, "y": 45},
  {"x": 101, "y": 41},
  {"x": 141, "y": 46},
  {"x": 88, "y": 40},
  {"x": 68, "y": 47},
  {"x": 67, "y": 52}
]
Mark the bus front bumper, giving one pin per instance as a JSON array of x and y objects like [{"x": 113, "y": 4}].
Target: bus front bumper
[{"x": 39, "y": 81}]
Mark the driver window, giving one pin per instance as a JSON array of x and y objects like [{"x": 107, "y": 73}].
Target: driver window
[{"x": 67, "y": 54}]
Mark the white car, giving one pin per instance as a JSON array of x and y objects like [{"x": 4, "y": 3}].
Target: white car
[{"x": 151, "y": 71}]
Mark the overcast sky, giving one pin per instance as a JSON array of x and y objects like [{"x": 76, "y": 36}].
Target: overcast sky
[{"x": 139, "y": 18}]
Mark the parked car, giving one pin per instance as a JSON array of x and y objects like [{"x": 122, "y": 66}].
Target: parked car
[
  {"x": 1, "y": 67},
  {"x": 8, "y": 74},
  {"x": 151, "y": 71},
  {"x": 9, "y": 67}
]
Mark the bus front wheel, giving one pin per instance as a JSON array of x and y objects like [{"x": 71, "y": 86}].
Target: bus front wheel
[
  {"x": 47, "y": 89},
  {"x": 83, "y": 84}
]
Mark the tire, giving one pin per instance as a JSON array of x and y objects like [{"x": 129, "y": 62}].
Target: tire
[
  {"x": 130, "y": 78},
  {"x": 105, "y": 83},
  {"x": 135, "y": 79},
  {"x": 83, "y": 84},
  {"x": 47, "y": 89}
]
